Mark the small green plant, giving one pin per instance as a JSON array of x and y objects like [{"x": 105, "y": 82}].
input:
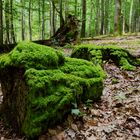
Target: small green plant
[
  {"x": 68, "y": 46},
  {"x": 89, "y": 103},
  {"x": 75, "y": 111},
  {"x": 120, "y": 96},
  {"x": 115, "y": 81}
]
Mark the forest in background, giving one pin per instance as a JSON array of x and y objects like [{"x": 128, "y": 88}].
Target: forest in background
[{"x": 39, "y": 19}]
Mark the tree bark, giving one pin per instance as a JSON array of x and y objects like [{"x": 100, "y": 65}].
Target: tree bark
[
  {"x": 91, "y": 19},
  {"x": 12, "y": 24},
  {"x": 118, "y": 18},
  {"x": 107, "y": 3},
  {"x": 22, "y": 21},
  {"x": 97, "y": 17},
  {"x": 39, "y": 18},
  {"x": 130, "y": 16},
  {"x": 83, "y": 27},
  {"x": 75, "y": 7},
  {"x": 102, "y": 17},
  {"x": 7, "y": 21},
  {"x": 61, "y": 13},
  {"x": 30, "y": 26},
  {"x": 43, "y": 19},
  {"x": 1, "y": 22},
  {"x": 53, "y": 20}
]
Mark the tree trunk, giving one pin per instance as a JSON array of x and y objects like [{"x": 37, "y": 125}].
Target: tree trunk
[
  {"x": 102, "y": 17},
  {"x": 118, "y": 18},
  {"x": 83, "y": 28},
  {"x": 107, "y": 3},
  {"x": 66, "y": 9},
  {"x": 30, "y": 26},
  {"x": 50, "y": 11},
  {"x": 43, "y": 19},
  {"x": 91, "y": 19},
  {"x": 39, "y": 18},
  {"x": 1, "y": 22},
  {"x": 97, "y": 17},
  {"x": 53, "y": 20},
  {"x": 67, "y": 33},
  {"x": 61, "y": 13},
  {"x": 12, "y": 24},
  {"x": 75, "y": 7},
  {"x": 7, "y": 21},
  {"x": 130, "y": 16},
  {"x": 22, "y": 21}
]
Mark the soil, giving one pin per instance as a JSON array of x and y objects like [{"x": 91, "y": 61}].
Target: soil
[{"x": 115, "y": 117}]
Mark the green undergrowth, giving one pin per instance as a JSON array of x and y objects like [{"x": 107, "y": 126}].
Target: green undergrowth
[
  {"x": 54, "y": 83},
  {"x": 97, "y": 54}
]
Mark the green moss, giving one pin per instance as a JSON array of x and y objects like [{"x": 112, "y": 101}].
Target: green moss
[
  {"x": 4, "y": 61},
  {"x": 28, "y": 54},
  {"x": 96, "y": 54},
  {"x": 54, "y": 83},
  {"x": 52, "y": 92}
]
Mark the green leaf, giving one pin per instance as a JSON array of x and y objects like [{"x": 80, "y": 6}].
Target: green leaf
[{"x": 75, "y": 112}]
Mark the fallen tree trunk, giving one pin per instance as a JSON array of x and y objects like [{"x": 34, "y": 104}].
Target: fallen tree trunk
[{"x": 97, "y": 54}]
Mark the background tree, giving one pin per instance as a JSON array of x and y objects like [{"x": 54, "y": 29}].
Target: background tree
[
  {"x": 22, "y": 20},
  {"x": 36, "y": 20},
  {"x": 83, "y": 27},
  {"x": 118, "y": 18},
  {"x": 1, "y": 22},
  {"x": 30, "y": 26}
]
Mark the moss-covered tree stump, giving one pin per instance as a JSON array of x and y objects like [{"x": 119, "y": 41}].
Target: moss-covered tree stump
[
  {"x": 97, "y": 54},
  {"x": 40, "y": 85}
]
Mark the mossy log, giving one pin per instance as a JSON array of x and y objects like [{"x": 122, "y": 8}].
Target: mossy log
[
  {"x": 40, "y": 85},
  {"x": 97, "y": 54}
]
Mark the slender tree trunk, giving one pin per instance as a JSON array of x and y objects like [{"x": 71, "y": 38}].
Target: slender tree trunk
[
  {"x": 53, "y": 19},
  {"x": 61, "y": 13},
  {"x": 118, "y": 18},
  {"x": 39, "y": 18},
  {"x": 130, "y": 16},
  {"x": 90, "y": 20},
  {"x": 106, "y": 19},
  {"x": 7, "y": 21},
  {"x": 102, "y": 17},
  {"x": 83, "y": 28},
  {"x": 1, "y": 22},
  {"x": 12, "y": 24},
  {"x": 22, "y": 21},
  {"x": 30, "y": 26},
  {"x": 75, "y": 7},
  {"x": 66, "y": 9},
  {"x": 97, "y": 17},
  {"x": 50, "y": 18},
  {"x": 43, "y": 19},
  {"x": 137, "y": 14}
]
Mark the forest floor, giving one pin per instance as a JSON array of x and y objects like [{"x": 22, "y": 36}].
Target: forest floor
[{"x": 115, "y": 117}]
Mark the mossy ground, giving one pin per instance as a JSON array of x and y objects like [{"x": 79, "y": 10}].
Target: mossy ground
[
  {"x": 96, "y": 54},
  {"x": 53, "y": 84}
]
